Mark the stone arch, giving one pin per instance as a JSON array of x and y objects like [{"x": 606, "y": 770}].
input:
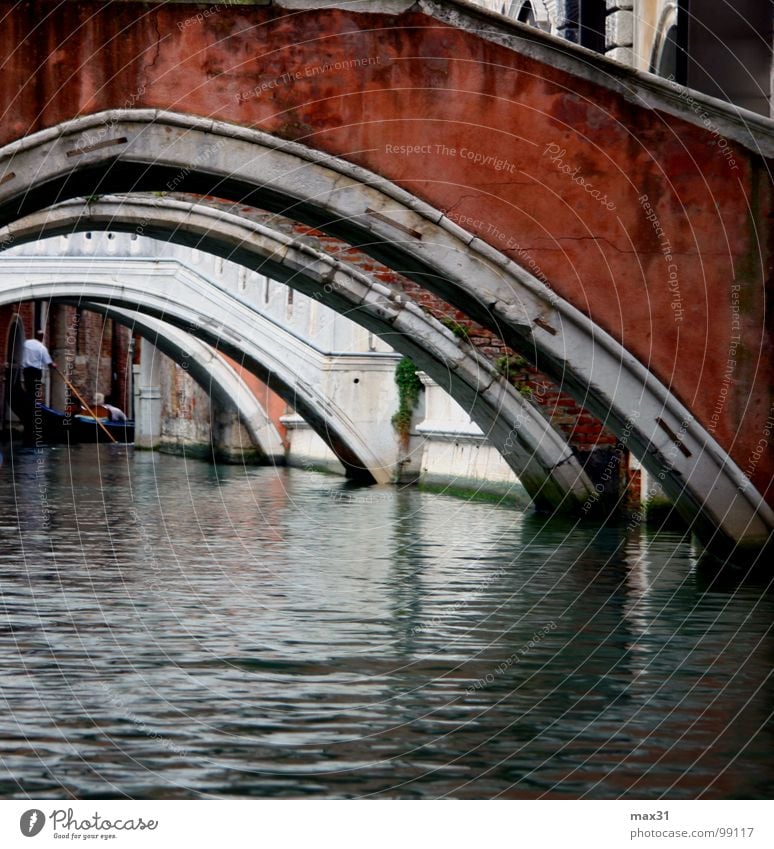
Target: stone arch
[
  {"x": 213, "y": 374},
  {"x": 225, "y": 325},
  {"x": 146, "y": 149},
  {"x": 541, "y": 458}
]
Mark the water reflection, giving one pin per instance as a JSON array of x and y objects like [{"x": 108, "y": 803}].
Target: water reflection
[{"x": 173, "y": 629}]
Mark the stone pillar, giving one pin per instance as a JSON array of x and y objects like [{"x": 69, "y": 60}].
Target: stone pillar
[
  {"x": 148, "y": 398},
  {"x": 62, "y": 351},
  {"x": 230, "y": 440},
  {"x": 619, "y": 31}
]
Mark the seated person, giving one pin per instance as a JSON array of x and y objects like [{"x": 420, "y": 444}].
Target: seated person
[
  {"x": 100, "y": 409},
  {"x": 96, "y": 409},
  {"x": 115, "y": 414}
]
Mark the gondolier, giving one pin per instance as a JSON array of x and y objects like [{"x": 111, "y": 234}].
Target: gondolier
[{"x": 35, "y": 359}]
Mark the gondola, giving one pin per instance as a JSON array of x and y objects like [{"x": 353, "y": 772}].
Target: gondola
[{"x": 57, "y": 427}]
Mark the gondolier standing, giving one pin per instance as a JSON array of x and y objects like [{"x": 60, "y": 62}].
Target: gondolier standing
[{"x": 36, "y": 358}]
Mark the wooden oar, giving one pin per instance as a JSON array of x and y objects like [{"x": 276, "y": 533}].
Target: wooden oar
[{"x": 85, "y": 405}]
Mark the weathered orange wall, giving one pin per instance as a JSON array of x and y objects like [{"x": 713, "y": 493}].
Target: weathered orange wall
[
  {"x": 420, "y": 83},
  {"x": 274, "y": 406}
]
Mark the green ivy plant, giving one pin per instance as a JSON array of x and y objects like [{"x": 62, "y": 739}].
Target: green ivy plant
[{"x": 409, "y": 387}]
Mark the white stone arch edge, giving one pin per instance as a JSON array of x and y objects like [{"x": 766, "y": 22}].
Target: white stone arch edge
[
  {"x": 539, "y": 455},
  {"x": 213, "y": 374},
  {"x": 708, "y": 488}
]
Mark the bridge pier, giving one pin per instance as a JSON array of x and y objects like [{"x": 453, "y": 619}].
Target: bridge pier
[{"x": 147, "y": 399}]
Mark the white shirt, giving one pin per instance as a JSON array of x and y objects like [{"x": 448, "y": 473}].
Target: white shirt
[
  {"x": 35, "y": 355},
  {"x": 116, "y": 415}
]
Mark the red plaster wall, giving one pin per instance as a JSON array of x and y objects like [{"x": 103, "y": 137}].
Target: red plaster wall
[
  {"x": 427, "y": 85},
  {"x": 274, "y": 406}
]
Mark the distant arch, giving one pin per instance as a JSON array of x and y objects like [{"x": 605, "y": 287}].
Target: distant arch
[
  {"x": 190, "y": 305},
  {"x": 210, "y": 371}
]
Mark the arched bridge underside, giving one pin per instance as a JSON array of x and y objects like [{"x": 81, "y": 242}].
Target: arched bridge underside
[
  {"x": 641, "y": 404},
  {"x": 539, "y": 455},
  {"x": 461, "y": 150},
  {"x": 203, "y": 363},
  {"x": 186, "y": 301}
]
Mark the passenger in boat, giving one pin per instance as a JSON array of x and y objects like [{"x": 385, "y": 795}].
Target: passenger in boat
[
  {"x": 104, "y": 410},
  {"x": 35, "y": 359},
  {"x": 116, "y": 414},
  {"x": 97, "y": 408}
]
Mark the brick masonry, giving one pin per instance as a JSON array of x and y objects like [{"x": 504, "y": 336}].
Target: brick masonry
[
  {"x": 93, "y": 353},
  {"x": 584, "y": 432}
]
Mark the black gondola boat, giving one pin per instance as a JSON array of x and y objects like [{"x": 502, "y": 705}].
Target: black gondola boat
[{"x": 57, "y": 427}]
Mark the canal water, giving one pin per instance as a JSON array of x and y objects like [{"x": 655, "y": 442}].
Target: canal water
[{"x": 172, "y": 629}]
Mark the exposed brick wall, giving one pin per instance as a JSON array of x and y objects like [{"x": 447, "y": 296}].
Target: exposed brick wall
[
  {"x": 583, "y": 431},
  {"x": 92, "y": 352},
  {"x": 121, "y": 367},
  {"x": 185, "y": 408},
  {"x": 87, "y": 348}
]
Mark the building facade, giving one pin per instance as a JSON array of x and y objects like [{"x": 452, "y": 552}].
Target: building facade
[{"x": 722, "y": 49}]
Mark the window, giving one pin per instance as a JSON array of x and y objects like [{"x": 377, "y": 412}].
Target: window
[
  {"x": 592, "y": 24},
  {"x": 521, "y": 10},
  {"x": 526, "y": 14}
]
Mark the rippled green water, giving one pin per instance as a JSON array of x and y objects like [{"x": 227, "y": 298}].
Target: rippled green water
[{"x": 172, "y": 629}]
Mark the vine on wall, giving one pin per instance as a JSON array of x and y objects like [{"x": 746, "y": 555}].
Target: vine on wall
[{"x": 409, "y": 387}]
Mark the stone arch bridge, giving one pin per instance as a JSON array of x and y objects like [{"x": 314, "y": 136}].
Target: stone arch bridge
[
  {"x": 179, "y": 304},
  {"x": 611, "y": 227}
]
